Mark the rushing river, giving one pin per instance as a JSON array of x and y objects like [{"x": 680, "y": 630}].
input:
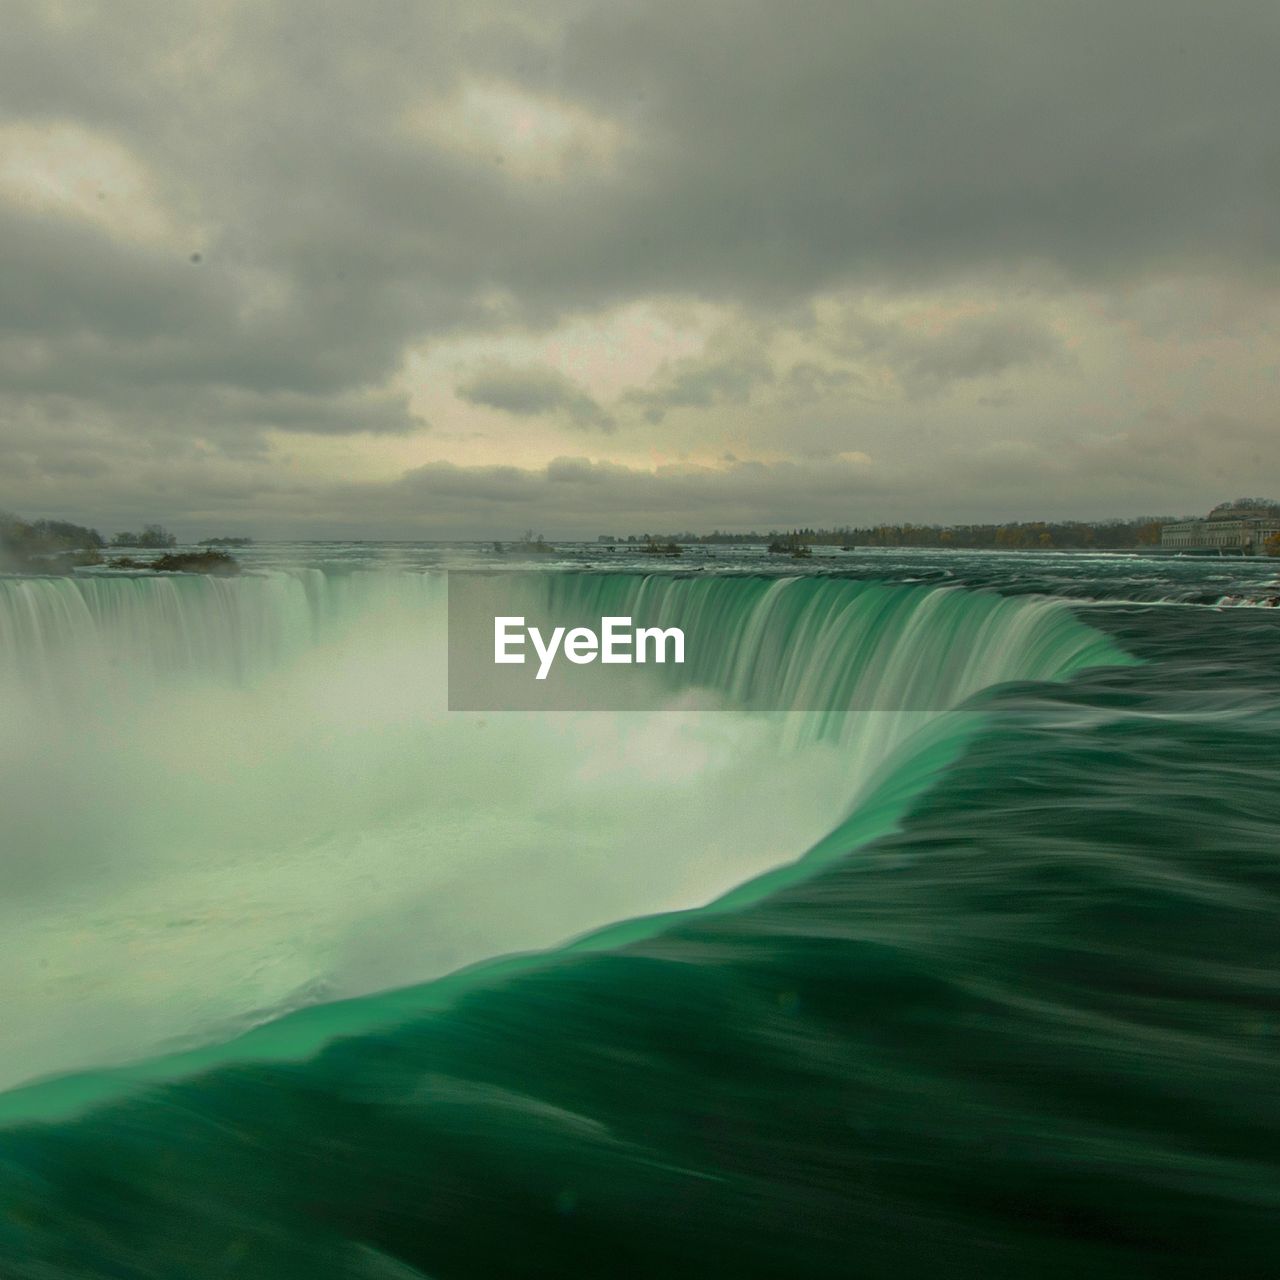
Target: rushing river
[{"x": 927, "y": 926}]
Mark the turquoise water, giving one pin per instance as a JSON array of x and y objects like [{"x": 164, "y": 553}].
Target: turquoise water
[{"x": 312, "y": 978}]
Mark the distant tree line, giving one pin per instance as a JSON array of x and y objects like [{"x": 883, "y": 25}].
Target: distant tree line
[
  {"x": 1143, "y": 531},
  {"x": 19, "y": 537},
  {"x": 17, "y": 534},
  {"x": 27, "y": 545},
  {"x": 59, "y": 547}
]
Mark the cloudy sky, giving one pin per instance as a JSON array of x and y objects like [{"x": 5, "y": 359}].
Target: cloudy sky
[{"x": 402, "y": 268}]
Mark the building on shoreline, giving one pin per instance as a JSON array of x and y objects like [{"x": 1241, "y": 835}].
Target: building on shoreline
[{"x": 1236, "y": 528}]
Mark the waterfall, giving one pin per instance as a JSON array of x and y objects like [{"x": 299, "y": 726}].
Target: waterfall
[{"x": 230, "y": 798}]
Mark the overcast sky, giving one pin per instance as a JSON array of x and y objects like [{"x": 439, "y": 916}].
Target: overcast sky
[{"x": 292, "y": 267}]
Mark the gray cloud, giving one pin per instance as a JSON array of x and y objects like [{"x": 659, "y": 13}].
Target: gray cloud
[
  {"x": 579, "y": 496},
  {"x": 528, "y": 391},
  {"x": 1159, "y": 467},
  {"x": 761, "y": 157},
  {"x": 701, "y": 383},
  {"x": 977, "y": 346},
  {"x": 576, "y": 497}
]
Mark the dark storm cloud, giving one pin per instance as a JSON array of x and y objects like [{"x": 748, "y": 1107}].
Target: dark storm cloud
[
  {"x": 270, "y": 128},
  {"x": 764, "y": 152},
  {"x": 787, "y": 146},
  {"x": 766, "y": 148},
  {"x": 527, "y": 391}
]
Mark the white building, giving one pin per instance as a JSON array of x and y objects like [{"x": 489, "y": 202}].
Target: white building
[{"x": 1234, "y": 527}]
